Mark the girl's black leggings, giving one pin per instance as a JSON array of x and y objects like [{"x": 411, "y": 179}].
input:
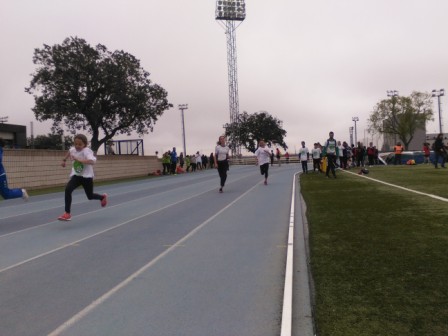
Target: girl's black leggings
[
  {"x": 75, "y": 182},
  {"x": 264, "y": 169},
  {"x": 223, "y": 167}
]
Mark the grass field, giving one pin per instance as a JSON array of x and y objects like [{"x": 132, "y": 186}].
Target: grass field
[{"x": 379, "y": 255}]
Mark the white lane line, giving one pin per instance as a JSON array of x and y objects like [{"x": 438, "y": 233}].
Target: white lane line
[
  {"x": 98, "y": 233},
  {"x": 400, "y": 187},
  {"x": 286, "y": 329},
  {"x": 76, "y": 318},
  {"x": 111, "y": 206},
  {"x": 117, "y": 191}
]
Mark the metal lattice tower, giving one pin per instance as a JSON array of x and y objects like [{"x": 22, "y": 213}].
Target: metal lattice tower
[{"x": 228, "y": 12}]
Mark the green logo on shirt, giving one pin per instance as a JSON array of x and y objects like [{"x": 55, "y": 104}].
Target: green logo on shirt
[{"x": 78, "y": 167}]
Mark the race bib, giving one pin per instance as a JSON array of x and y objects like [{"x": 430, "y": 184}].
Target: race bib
[{"x": 78, "y": 167}]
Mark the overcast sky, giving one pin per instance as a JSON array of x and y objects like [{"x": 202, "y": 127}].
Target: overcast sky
[{"x": 312, "y": 64}]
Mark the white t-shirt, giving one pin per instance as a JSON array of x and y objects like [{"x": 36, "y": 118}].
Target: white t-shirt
[
  {"x": 79, "y": 169},
  {"x": 303, "y": 152},
  {"x": 221, "y": 152},
  {"x": 341, "y": 151},
  {"x": 316, "y": 153},
  {"x": 263, "y": 155}
]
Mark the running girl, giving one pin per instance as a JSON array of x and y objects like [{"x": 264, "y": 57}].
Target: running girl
[
  {"x": 221, "y": 160},
  {"x": 81, "y": 174},
  {"x": 263, "y": 157}
]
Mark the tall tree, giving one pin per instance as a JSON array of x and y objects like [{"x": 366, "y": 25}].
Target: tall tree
[
  {"x": 402, "y": 116},
  {"x": 255, "y": 127},
  {"x": 92, "y": 89}
]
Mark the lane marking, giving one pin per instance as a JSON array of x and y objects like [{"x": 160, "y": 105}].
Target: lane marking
[
  {"x": 76, "y": 318},
  {"x": 97, "y": 233},
  {"x": 286, "y": 328},
  {"x": 105, "y": 209},
  {"x": 400, "y": 187},
  {"x": 117, "y": 187}
]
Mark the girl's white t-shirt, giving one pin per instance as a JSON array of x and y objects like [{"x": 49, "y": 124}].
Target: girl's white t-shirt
[
  {"x": 78, "y": 169},
  {"x": 263, "y": 155},
  {"x": 316, "y": 153},
  {"x": 221, "y": 152}
]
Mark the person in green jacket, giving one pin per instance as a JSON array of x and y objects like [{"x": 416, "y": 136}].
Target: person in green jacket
[{"x": 166, "y": 162}]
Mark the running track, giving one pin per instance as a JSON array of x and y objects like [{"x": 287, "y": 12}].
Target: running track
[{"x": 167, "y": 256}]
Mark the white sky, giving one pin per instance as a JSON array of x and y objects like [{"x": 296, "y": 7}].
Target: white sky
[{"x": 312, "y": 64}]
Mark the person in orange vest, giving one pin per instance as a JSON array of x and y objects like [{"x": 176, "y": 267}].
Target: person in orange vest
[{"x": 398, "y": 149}]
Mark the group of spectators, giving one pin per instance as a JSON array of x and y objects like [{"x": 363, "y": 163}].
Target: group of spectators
[
  {"x": 173, "y": 164},
  {"x": 346, "y": 156}
]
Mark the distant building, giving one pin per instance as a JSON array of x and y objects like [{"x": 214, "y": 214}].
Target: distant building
[
  {"x": 390, "y": 140},
  {"x": 13, "y": 135}
]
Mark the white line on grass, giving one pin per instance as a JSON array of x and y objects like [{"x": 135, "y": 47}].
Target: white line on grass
[
  {"x": 399, "y": 187},
  {"x": 76, "y": 318}
]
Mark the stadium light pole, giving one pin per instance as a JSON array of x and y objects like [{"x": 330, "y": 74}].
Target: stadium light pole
[
  {"x": 438, "y": 94},
  {"x": 350, "y": 130},
  {"x": 356, "y": 119},
  {"x": 4, "y": 119},
  {"x": 228, "y": 12},
  {"x": 183, "y": 107}
]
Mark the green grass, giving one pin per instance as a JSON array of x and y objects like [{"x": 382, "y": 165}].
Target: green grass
[
  {"x": 424, "y": 178},
  {"x": 379, "y": 255}
]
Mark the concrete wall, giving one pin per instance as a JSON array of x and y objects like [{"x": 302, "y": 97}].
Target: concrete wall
[{"x": 35, "y": 169}]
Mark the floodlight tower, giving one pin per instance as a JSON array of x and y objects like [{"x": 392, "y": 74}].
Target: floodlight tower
[
  {"x": 228, "y": 12},
  {"x": 4, "y": 119}
]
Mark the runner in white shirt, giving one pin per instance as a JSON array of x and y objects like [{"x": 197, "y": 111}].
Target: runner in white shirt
[
  {"x": 263, "y": 158},
  {"x": 81, "y": 174},
  {"x": 221, "y": 160}
]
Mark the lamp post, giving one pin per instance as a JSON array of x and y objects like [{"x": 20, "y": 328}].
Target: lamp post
[
  {"x": 438, "y": 94},
  {"x": 183, "y": 107},
  {"x": 350, "y": 130},
  {"x": 356, "y": 119},
  {"x": 4, "y": 119},
  {"x": 229, "y": 12}
]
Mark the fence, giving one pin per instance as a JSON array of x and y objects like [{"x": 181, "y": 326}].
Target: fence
[{"x": 36, "y": 169}]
